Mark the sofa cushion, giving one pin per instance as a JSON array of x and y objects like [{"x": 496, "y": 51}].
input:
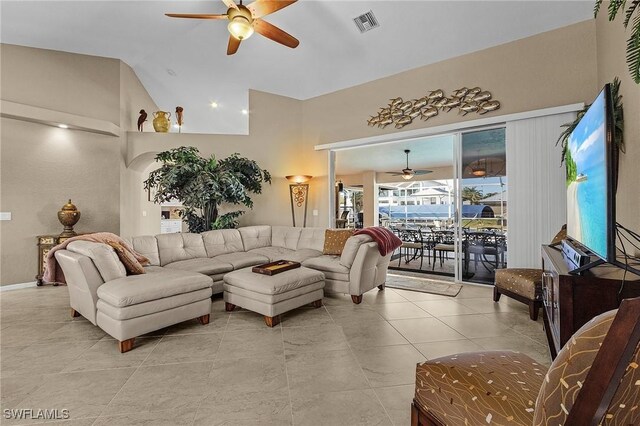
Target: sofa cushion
[
  {"x": 135, "y": 289},
  {"x": 146, "y": 245},
  {"x": 311, "y": 238},
  {"x": 285, "y": 236},
  {"x": 180, "y": 246},
  {"x": 222, "y": 241},
  {"x": 304, "y": 254},
  {"x": 330, "y": 266},
  {"x": 103, "y": 256},
  {"x": 335, "y": 239},
  {"x": 274, "y": 253},
  {"x": 153, "y": 306},
  {"x": 273, "y": 284},
  {"x": 351, "y": 248},
  {"x": 255, "y": 236},
  {"x": 204, "y": 265},
  {"x": 242, "y": 260}
]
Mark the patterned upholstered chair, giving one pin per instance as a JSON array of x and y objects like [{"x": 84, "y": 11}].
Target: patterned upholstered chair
[
  {"x": 594, "y": 380},
  {"x": 524, "y": 284}
]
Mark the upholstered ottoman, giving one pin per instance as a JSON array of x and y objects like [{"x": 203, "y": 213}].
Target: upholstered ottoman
[
  {"x": 273, "y": 295},
  {"x": 522, "y": 284},
  {"x": 137, "y": 304}
]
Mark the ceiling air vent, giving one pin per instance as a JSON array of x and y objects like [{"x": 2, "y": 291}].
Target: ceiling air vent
[{"x": 366, "y": 22}]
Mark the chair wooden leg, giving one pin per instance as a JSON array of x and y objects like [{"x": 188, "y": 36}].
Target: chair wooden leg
[
  {"x": 204, "y": 319},
  {"x": 534, "y": 308},
  {"x": 317, "y": 303},
  {"x": 272, "y": 321},
  {"x": 126, "y": 345},
  {"x": 381, "y": 286},
  {"x": 74, "y": 313},
  {"x": 357, "y": 299},
  {"x": 229, "y": 306},
  {"x": 414, "y": 415},
  {"x": 496, "y": 294}
]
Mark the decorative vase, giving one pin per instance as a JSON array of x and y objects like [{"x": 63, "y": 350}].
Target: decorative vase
[
  {"x": 68, "y": 216},
  {"x": 161, "y": 121}
]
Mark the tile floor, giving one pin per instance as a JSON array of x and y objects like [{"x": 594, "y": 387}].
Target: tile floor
[{"x": 341, "y": 364}]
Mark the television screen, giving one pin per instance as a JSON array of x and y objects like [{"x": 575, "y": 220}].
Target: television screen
[{"x": 589, "y": 194}]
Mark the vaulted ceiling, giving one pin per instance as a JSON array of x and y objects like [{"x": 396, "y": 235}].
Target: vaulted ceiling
[{"x": 184, "y": 62}]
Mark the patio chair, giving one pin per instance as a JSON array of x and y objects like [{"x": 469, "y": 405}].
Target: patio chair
[
  {"x": 413, "y": 245},
  {"x": 594, "y": 380}
]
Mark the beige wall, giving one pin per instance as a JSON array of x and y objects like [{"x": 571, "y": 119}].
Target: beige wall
[
  {"x": 550, "y": 69},
  {"x": 611, "y": 48},
  {"x": 43, "y": 166},
  {"x": 274, "y": 141}
]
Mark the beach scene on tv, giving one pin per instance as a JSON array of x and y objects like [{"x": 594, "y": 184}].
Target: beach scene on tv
[{"x": 587, "y": 180}]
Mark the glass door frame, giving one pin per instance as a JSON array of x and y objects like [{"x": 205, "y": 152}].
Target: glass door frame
[{"x": 458, "y": 184}]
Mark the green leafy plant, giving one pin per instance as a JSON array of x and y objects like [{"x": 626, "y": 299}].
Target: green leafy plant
[
  {"x": 618, "y": 127},
  {"x": 631, "y": 14},
  {"x": 472, "y": 194},
  {"x": 204, "y": 184}
]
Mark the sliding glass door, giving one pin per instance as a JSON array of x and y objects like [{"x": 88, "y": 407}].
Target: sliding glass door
[{"x": 482, "y": 205}]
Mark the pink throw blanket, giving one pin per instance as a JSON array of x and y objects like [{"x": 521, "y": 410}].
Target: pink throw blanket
[
  {"x": 387, "y": 240},
  {"x": 53, "y": 272}
]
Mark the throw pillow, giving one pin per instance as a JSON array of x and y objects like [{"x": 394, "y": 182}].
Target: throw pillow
[
  {"x": 127, "y": 258},
  {"x": 335, "y": 239}
]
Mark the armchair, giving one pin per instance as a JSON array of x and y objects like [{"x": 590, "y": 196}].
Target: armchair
[{"x": 594, "y": 380}]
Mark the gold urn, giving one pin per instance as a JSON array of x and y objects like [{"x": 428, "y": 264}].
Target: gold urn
[
  {"x": 68, "y": 216},
  {"x": 161, "y": 121}
]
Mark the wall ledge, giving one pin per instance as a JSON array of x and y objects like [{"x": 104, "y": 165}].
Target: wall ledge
[{"x": 33, "y": 114}]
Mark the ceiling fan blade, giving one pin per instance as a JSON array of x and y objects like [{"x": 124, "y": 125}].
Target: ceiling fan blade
[
  {"x": 230, "y": 4},
  {"x": 196, "y": 16},
  {"x": 274, "y": 33},
  {"x": 394, "y": 173},
  {"x": 234, "y": 43},
  {"x": 261, "y": 8},
  {"x": 422, "y": 172}
]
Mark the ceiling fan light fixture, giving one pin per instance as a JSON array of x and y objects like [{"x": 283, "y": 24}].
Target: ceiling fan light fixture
[
  {"x": 240, "y": 28},
  {"x": 479, "y": 172}
]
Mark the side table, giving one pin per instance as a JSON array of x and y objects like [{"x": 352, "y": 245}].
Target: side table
[{"x": 46, "y": 243}]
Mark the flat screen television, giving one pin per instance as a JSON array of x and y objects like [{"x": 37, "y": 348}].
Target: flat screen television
[{"x": 590, "y": 180}]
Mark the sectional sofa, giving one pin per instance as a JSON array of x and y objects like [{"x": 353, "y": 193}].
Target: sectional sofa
[{"x": 187, "y": 269}]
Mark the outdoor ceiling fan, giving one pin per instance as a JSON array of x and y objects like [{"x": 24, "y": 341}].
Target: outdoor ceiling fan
[
  {"x": 409, "y": 173},
  {"x": 243, "y": 20}
]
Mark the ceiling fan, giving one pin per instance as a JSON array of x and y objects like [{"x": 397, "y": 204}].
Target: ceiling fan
[
  {"x": 408, "y": 173},
  {"x": 244, "y": 20}
]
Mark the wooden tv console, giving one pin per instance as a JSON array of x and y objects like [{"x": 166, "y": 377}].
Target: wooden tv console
[{"x": 570, "y": 301}]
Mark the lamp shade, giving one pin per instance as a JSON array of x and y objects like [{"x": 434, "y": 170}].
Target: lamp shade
[
  {"x": 298, "y": 178},
  {"x": 240, "y": 28}
]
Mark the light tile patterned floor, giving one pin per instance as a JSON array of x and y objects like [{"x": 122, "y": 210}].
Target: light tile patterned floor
[{"x": 341, "y": 364}]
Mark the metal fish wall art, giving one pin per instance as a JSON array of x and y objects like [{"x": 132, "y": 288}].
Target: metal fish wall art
[{"x": 401, "y": 113}]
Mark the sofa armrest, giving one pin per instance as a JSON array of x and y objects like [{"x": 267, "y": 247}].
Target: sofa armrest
[
  {"x": 83, "y": 280},
  {"x": 362, "y": 276}
]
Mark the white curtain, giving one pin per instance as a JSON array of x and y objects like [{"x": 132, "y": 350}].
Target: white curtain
[{"x": 536, "y": 191}]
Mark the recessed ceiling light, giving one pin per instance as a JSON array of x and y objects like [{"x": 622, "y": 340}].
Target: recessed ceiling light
[
  {"x": 214, "y": 104},
  {"x": 63, "y": 126},
  {"x": 245, "y": 112}
]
